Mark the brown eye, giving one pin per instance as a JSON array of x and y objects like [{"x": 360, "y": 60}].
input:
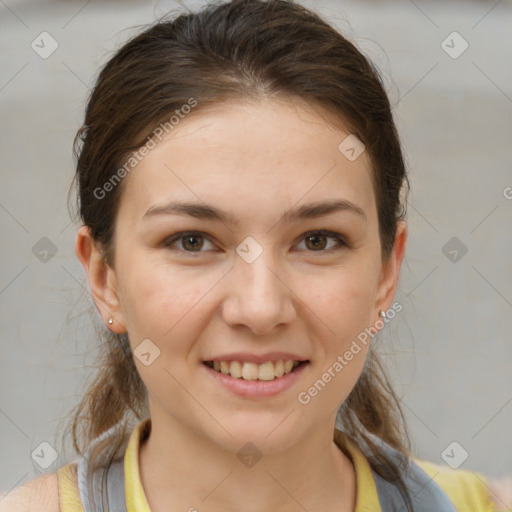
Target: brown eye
[
  {"x": 190, "y": 242},
  {"x": 318, "y": 241}
]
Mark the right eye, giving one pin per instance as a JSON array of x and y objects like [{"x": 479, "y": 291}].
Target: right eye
[{"x": 190, "y": 241}]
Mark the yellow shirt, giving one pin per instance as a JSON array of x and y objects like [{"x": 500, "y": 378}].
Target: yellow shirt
[{"x": 467, "y": 490}]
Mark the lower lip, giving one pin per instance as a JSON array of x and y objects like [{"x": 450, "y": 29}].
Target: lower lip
[{"x": 258, "y": 388}]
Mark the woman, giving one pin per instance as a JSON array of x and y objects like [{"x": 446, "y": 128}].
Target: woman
[{"x": 242, "y": 194}]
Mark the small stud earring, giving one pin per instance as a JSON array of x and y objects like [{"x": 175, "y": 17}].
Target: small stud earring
[
  {"x": 110, "y": 321},
  {"x": 382, "y": 314}
]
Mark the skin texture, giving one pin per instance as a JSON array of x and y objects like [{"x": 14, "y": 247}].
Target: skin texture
[
  {"x": 255, "y": 160},
  {"x": 40, "y": 494}
]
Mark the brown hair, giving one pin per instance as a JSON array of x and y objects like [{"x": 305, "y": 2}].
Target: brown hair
[{"x": 238, "y": 50}]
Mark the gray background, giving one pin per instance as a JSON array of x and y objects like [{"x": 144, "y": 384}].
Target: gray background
[{"x": 450, "y": 348}]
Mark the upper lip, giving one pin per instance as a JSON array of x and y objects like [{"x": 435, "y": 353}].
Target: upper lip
[{"x": 257, "y": 359}]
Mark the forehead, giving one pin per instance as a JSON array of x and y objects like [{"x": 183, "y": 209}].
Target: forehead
[{"x": 257, "y": 157}]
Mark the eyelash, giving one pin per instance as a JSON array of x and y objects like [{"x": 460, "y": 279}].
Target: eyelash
[{"x": 331, "y": 234}]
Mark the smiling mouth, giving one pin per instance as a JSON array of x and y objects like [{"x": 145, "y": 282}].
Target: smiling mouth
[{"x": 269, "y": 370}]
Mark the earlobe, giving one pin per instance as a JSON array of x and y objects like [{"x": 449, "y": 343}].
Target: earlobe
[{"x": 102, "y": 280}]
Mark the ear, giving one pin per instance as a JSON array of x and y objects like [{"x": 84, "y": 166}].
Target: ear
[
  {"x": 102, "y": 280},
  {"x": 391, "y": 271}
]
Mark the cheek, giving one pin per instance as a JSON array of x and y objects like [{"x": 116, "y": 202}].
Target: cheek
[
  {"x": 150, "y": 288},
  {"x": 344, "y": 302},
  {"x": 165, "y": 302},
  {"x": 343, "y": 307},
  {"x": 349, "y": 303}
]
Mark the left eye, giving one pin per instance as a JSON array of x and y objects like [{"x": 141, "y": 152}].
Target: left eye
[{"x": 317, "y": 240}]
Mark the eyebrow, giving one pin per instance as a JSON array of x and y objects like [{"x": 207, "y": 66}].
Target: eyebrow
[{"x": 207, "y": 212}]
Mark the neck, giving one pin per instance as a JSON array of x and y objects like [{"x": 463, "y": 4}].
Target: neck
[{"x": 181, "y": 470}]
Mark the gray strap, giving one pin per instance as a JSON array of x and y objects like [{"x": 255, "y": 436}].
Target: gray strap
[
  {"x": 426, "y": 495},
  {"x": 115, "y": 487},
  {"x": 107, "y": 490},
  {"x": 87, "y": 488},
  {"x": 102, "y": 491}
]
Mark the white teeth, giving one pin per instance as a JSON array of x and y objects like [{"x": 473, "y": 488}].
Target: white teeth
[
  {"x": 279, "y": 368},
  {"x": 265, "y": 371},
  {"x": 224, "y": 367},
  {"x": 235, "y": 369},
  {"x": 249, "y": 370},
  {"x": 288, "y": 365},
  {"x": 252, "y": 371}
]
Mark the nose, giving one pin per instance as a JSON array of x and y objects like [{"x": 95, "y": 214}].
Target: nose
[{"x": 258, "y": 295}]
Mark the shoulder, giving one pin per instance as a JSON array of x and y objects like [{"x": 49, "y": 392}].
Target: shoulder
[
  {"x": 467, "y": 490},
  {"x": 40, "y": 494}
]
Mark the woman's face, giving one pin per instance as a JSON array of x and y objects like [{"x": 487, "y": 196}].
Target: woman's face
[{"x": 252, "y": 278}]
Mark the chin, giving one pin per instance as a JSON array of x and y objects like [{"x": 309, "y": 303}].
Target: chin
[{"x": 270, "y": 435}]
